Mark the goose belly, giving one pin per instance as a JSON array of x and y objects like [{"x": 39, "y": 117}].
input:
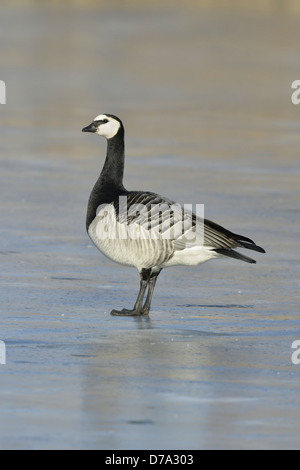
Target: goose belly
[{"x": 191, "y": 256}]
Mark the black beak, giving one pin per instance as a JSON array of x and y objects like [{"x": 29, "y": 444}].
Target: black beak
[{"x": 91, "y": 128}]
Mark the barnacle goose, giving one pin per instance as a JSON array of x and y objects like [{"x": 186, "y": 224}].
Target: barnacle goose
[{"x": 146, "y": 230}]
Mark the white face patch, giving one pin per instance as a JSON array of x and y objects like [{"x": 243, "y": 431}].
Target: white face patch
[{"x": 108, "y": 129}]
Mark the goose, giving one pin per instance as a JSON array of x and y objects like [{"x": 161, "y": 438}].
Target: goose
[{"x": 145, "y": 230}]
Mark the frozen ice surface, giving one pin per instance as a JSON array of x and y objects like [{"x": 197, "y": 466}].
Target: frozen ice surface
[{"x": 205, "y": 98}]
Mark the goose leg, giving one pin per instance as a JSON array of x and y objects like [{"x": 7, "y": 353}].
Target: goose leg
[
  {"x": 137, "y": 309},
  {"x": 151, "y": 285}
]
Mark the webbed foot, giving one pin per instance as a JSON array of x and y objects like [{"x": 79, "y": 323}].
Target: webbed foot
[{"x": 125, "y": 312}]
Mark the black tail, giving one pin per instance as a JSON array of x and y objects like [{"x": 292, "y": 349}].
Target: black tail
[
  {"x": 226, "y": 242},
  {"x": 234, "y": 254},
  {"x": 243, "y": 242}
]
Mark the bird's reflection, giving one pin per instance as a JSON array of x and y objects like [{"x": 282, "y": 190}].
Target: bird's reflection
[{"x": 142, "y": 322}]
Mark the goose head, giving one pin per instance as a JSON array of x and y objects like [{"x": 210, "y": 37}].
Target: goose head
[{"x": 106, "y": 125}]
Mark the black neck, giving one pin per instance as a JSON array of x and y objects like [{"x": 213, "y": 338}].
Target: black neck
[
  {"x": 110, "y": 182},
  {"x": 113, "y": 169}
]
